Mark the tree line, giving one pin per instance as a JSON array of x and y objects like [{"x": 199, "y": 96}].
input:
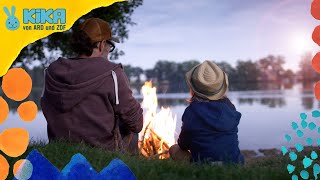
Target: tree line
[{"x": 169, "y": 76}]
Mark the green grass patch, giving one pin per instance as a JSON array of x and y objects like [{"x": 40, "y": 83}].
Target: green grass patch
[{"x": 60, "y": 153}]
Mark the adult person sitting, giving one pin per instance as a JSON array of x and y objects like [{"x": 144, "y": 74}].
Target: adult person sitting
[{"x": 86, "y": 98}]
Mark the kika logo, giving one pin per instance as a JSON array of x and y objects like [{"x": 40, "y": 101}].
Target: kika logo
[
  {"x": 12, "y": 22},
  {"x": 38, "y": 18}
]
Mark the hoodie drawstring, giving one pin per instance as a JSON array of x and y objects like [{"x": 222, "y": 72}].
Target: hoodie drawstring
[
  {"x": 44, "y": 82},
  {"x": 115, "y": 80}
]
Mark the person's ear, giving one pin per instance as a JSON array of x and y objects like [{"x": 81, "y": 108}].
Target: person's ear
[{"x": 101, "y": 45}]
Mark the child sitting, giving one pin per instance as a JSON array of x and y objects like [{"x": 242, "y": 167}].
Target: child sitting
[{"x": 210, "y": 123}]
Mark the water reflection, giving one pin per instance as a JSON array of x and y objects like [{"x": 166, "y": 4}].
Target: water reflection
[
  {"x": 172, "y": 102},
  {"x": 274, "y": 98},
  {"x": 307, "y": 87},
  {"x": 182, "y": 87},
  {"x": 281, "y": 104},
  {"x": 307, "y": 103},
  {"x": 269, "y": 102}
]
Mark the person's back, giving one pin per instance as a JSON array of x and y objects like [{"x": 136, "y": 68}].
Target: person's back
[
  {"x": 210, "y": 123},
  {"x": 83, "y": 96},
  {"x": 210, "y": 131}
]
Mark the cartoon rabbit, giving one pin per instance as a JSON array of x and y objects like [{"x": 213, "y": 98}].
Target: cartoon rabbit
[{"x": 12, "y": 22}]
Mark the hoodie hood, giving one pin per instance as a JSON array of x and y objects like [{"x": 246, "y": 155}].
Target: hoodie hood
[
  {"x": 219, "y": 115},
  {"x": 69, "y": 81}
]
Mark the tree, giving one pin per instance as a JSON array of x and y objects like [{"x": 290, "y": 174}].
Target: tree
[
  {"x": 118, "y": 15},
  {"x": 171, "y": 73},
  {"x": 288, "y": 76},
  {"x": 247, "y": 71},
  {"x": 165, "y": 70},
  {"x": 306, "y": 72},
  {"x": 227, "y": 68},
  {"x": 133, "y": 72},
  {"x": 271, "y": 68}
]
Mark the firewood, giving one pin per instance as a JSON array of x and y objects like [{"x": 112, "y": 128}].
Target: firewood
[
  {"x": 154, "y": 146},
  {"x": 159, "y": 138}
]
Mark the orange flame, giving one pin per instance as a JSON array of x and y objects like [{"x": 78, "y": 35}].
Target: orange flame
[{"x": 162, "y": 123}]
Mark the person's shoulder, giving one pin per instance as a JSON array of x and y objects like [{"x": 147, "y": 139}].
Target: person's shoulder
[
  {"x": 227, "y": 101},
  {"x": 56, "y": 63},
  {"x": 114, "y": 65}
]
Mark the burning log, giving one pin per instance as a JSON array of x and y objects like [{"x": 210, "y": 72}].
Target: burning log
[
  {"x": 154, "y": 146},
  {"x": 159, "y": 128}
]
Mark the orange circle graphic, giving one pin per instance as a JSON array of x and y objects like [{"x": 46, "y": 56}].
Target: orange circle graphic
[
  {"x": 14, "y": 141},
  {"x": 4, "y": 110},
  {"x": 315, "y": 9},
  {"x": 17, "y": 84},
  {"x": 22, "y": 169},
  {"x": 317, "y": 90},
  {"x": 316, "y": 62},
  {"x": 28, "y": 111},
  {"x": 4, "y": 168},
  {"x": 316, "y": 35}
]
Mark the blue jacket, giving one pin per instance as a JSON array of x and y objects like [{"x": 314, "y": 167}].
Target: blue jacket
[{"x": 209, "y": 130}]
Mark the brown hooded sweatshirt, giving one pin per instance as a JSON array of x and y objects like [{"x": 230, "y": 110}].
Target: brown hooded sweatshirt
[{"x": 79, "y": 101}]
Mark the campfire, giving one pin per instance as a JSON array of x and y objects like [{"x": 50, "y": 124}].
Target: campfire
[{"x": 159, "y": 128}]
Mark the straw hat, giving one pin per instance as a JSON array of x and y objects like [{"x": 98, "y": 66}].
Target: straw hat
[{"x": 208, "y": 81}]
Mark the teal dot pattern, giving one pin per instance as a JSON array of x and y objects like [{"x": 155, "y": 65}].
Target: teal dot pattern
[
  {"x": 316, "y": 170},
  {"x": 312, "y": 126},
  {"x": 284, "y": 150},
  {"x": 304, "y": 174},
  {"x": 299, "y": 147},
  {"x": 288, "y": 137},
  {"x": 295, "y": 126},
  {"x": 293, "y": 156},
  {"x": 307, "y": 162},
  {"x": 316, "y": 114},
  {"x": 304, "y": 124},
  {"x": 303, "y": 116},
  {"x": 314, "y": 155},
  {"x": 295, "y": 177},
  {"x": 309, "y": 141},
  {"x": 311, "y": 169},
  {"x": 291, "y": 168},
  {"x": 300, "y": 133}
]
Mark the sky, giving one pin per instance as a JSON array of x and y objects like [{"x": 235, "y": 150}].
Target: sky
[{"x": 219, "y": 30}]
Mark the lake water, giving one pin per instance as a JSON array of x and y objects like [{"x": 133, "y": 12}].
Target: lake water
[{"x": 266, "y": 116}]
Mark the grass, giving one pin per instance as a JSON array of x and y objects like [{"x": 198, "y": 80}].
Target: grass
[{"x": 60, "y": 153}]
